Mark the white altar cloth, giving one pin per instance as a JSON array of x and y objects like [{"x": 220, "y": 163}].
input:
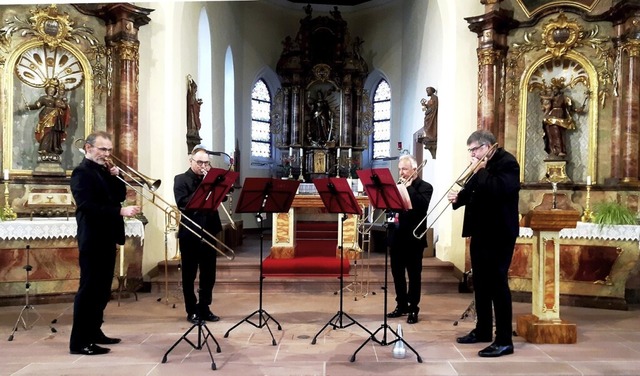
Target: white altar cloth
[
  {"x": 52, "y": 228},
  {"x": 586, "y": 230}
]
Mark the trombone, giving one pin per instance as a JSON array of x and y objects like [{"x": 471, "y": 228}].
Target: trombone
[
  {"x": 461, "y": 180},
  {"x": 172, "y": 213}
]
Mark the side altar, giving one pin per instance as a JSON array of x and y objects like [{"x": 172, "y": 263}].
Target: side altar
[
  {"x": 284, "y": 226},
  {"x": 53, "y": 257},
  {"x": 595, "y": 264}
]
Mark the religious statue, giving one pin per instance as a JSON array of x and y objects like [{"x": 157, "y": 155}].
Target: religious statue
[
  {"x": 193, "y": 115},
  {"x": 50, "y": 132},
  {"x": 430, "y": 108},
  {"x": 558, "y": 110},
  {"x": 321, "y": 122}
]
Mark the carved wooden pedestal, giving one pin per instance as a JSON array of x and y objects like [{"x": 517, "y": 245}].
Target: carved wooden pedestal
[{"x": 544, "y": 324}]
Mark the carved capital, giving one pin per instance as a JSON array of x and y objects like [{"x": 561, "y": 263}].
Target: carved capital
[
  {"x": 487, "y": 56},
  {"x": 128, "y": 51},
  {"x": 632, "y": 47}
]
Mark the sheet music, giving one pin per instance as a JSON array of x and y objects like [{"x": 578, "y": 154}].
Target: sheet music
[{"x": 404, "y": 194}]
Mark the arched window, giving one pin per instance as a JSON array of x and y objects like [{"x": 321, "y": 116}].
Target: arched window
[
  {"x": 381, "y": 120},
  {"x": 260, "y": 120}
]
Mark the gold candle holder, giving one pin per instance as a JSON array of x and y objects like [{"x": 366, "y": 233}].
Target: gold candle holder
[
  {"x": 587, "y": 215},
  {"x": 7, "y": 213}
]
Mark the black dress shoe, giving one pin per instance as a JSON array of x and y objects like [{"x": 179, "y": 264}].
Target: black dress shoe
[
  {"x": 472, "y": 338},
  {"x": 194, "y": 318},
  {"x": 412, "y": 318},
  {"x": 91, "y": 349},
  {"x": 493, "y": 351},
  {"x": 104, "y": 340},
  {"x": 399, "y": 311},
  {"x": 210, "y": 317}
]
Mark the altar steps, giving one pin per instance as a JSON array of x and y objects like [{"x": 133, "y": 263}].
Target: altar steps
[{"x": 243, "y": 275}]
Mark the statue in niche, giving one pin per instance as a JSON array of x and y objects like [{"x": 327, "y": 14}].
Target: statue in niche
[
  {"x": 193, "y": 115},
  {"x": 558, "y": 110},
  {"x": 53, "y": 121},
  {"x": 321, "y": 122}
]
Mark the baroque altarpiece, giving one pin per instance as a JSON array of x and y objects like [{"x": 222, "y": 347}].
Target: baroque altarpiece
[
  {"x": 322, "y": 115},
  {"x": 559, "y": 85}
]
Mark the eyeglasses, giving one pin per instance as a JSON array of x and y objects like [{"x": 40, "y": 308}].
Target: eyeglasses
[
  {"x": 104, "y": 150},
  {"x": 201, "y": 163},
  {"x": 471, "y": 150}
]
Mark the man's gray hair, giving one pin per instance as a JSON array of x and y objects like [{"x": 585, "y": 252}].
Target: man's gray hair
[{"x": 410, "y": 158}]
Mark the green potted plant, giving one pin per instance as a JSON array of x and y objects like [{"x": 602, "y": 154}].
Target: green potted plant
[{"x": 613, "y": 213}]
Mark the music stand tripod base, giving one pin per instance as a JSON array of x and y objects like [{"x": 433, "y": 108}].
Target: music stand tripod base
[{"x": 202, "y": 339}]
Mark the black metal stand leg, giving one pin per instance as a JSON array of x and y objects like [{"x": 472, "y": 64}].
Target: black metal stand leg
[
  {"x": 471, "y": 310},
  {"x": 263, "y": 316},
  {"x": 336, "y": 321},
  {"x": 202, "y": 339},
  {"x": 384, "y": 327},
  {"x": 23, "y": 317}
]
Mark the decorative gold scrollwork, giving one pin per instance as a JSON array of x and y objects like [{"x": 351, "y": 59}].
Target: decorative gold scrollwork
[{"x": 560, "y": 35}]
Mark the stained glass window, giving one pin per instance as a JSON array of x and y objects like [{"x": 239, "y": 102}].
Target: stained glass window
[
  {"x": 260, "y": 120},
  {"x": 381, "y": 120}
]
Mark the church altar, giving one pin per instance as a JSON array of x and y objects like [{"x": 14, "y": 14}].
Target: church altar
[
  {"x": 53, "y": 256},
  {"x": 596, "y": 263},
  {"x": 311, "y": 207}
]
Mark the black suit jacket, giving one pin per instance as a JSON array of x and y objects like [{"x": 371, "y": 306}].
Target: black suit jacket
[
  {"x": 491, "y": 198},
  {"x": 420, "y": 193},
  {"x": 99, "y": 196},
  {"x": 184, "y": 186}
]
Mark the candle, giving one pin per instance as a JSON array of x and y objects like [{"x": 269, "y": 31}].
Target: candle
[
  {"x": 290, "y": 151},
  {"x": 121, "y": 260},
  {"x": 6, "y": 174},
  {"x": 589, "y": 180},
  {"x": 349, "y": 153},
  {"x": 301, "y": 153},
  {"x": 338, "y": 153}
]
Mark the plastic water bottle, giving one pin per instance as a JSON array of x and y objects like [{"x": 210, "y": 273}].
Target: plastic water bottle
[{"x": 399, "y": 351}]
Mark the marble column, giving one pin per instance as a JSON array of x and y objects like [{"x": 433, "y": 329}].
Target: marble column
[
  {"x": 617, "y": 111},
  {"x": 296, "y": 126},
  {"x": 285, "y": 115},
  {"x": 123, "y": 22},
  {"x": 631, "y": 106},
  {"x": 492, "y": 29}
]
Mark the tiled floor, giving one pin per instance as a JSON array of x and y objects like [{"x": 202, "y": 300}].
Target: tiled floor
[{"x": 608, "y": 341}]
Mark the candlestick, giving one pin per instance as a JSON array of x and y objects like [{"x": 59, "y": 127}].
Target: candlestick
[
  {"x": 587, "y": 216},
  {"x": 121, "y": 260},
  {"x": 7, "y": 213}
]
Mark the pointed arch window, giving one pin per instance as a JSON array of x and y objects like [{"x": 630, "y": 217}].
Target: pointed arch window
[
  {"x": 260, "y": 120},
  {"x": 382, "y": 120}
]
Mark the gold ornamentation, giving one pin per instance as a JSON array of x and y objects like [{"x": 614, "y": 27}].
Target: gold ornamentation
[
  {"x": 487, "y": 56},
  {"x": 128, "y": 51},
  {"x": 561, "y": 35},
  {"x": 531, "y": 7},
  {"x": 321, "y": 72},
  {"x": 632, "y": 47},
  {"x": 48, "y": 26}
]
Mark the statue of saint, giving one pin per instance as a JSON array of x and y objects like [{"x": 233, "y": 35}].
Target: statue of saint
[
  {"x": 50, "y": 132},
  {"x": 321, "y": 125},
  {"x": 193, "y": 115},
  {"x": 430, "y": 108},
  {"x": 558, "y": 110}
]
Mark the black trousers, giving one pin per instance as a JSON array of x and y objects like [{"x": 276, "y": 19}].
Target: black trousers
[
  {"x": 197, "y": 255},
  {"x": 406, "y": 257},
  {"x": 96, "y": 276},
  {"x": 490, "y": 260}
]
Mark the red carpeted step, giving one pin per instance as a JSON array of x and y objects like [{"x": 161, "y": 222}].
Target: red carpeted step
[
  {"x": 317, "y": 234},
  {"x": 305, "y": 266},
  {"x": 316, "y": 226},
  {"x": 316, "y": 247}
]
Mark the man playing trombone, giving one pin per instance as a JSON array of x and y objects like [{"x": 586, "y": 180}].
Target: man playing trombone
[
  {"x": 490, "y": 195},
  {"x": 195, "y": 252},
  {"x": 98, "y": 192},
  {"x": 406, "y": 249}
]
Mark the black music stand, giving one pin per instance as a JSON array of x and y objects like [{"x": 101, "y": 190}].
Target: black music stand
[
  {"x": 208, "y": 196},
  {"x": 383, "y": 194},
  {"x": 337, "y": 197},
  {"x": 264, "y": 195}
]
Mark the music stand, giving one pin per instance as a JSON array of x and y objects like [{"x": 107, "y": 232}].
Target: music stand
[
  {"x": 337, "y": 197},
  {"x": 383, "y": 194},
  {"x": 264, "y": 195},
  {"x": 208, "y": 196}
]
